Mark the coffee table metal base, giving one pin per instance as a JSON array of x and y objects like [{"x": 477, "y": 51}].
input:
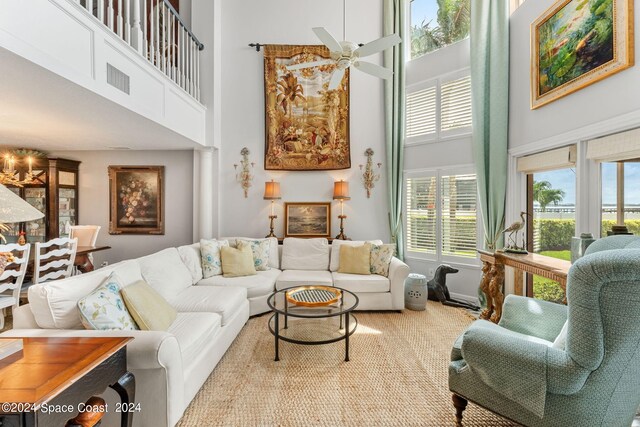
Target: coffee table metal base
[{"x": 327, "y": 332}]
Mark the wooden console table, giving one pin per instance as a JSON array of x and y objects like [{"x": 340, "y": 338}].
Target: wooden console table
[
  {"x": 493, "y": 264},
  {"x": 49, "y": 382}
]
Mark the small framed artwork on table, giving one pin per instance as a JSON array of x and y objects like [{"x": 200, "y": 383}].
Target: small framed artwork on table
[
  {"x": 307, "y": 219},
  {"x": 576, "y": 43},
  {"x": 136, "y": 199}
]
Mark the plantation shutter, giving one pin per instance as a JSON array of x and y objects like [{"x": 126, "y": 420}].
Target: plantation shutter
[
  {"x": 421, "y": 214},
  {"x": 458, "y": 213},
  {"x": 421, "y": 113},
  {"x": 455, "y": 104}
]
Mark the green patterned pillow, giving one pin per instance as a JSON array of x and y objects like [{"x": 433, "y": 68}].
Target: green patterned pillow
[
  {"x": 210, "y": 256},
  {"x": 381, "y": 258},
  {"x": 260, "y": 250},
  {"x": 103, "y": 309}
]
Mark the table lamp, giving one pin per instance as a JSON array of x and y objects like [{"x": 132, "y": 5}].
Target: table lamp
[
  {"x": 14, "y": 209},
  {"x": 341, "y": 192},
  {"x": 272, "y": 192}
]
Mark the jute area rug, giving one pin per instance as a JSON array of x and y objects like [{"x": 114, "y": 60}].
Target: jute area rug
[{"x": 397, "y": 376}]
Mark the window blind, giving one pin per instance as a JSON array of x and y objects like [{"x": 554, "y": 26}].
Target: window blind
[
  {"x": 458, "y": 215},
  {"x": 560, "y": 158},
  {"x": 421, "y": 112},
  {"x": 455, "y": 104},
  {"x": 421, "y": 214},
  {"x": 611, "y": 148}
]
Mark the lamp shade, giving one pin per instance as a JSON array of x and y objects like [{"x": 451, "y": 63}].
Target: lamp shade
[
  {"x": 271, "y": 190},
  {"x": 341, "y": 190},
  {"x": 14, "y": 209}
]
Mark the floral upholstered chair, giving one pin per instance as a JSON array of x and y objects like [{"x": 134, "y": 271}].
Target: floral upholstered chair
[{"x": 588, "y": 377}]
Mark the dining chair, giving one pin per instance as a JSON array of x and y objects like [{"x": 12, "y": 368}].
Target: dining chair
[
  {"x": 12, "y": 277},
  {"x": 54, "y": 259},
  {"x": 87, "y": 235}
]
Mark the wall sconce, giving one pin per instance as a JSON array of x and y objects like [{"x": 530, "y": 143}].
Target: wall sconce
[
  {"x": 341, "y": 192},
  {"x": 369, "y": 177},
  {"x": 244, "y": 177},
  {"x": 272, "y": 192}
]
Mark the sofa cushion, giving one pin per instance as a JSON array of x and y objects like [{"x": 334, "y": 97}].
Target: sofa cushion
[
  {"x": 165, "y": 272},
  {"x": 190, "y": 255},
  {"x": 150, "y": 311},
  {"x": 290, "y": 278},
  {"x": 55, "y": 304},
  {"x": 210, "y": 256},
  {"x": 194, "y": 331},
  {"x": 225, "y": 301},
  {"x": 274, "y": 256},
  {"x": 237, "y": 262},
  {"x": 335, "y": 250},
  {"x": 104, "y": 310},
  {"x": 359, "y": 283},
  {"x": 261, "y": 284},
  {"x": 305, "y": 254},
  {"x": 355, "y": 259}
]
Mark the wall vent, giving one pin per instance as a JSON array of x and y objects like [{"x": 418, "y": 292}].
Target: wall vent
[{"x": 117, "y": 78}]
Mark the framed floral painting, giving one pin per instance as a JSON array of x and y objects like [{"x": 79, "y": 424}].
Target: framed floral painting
[
  {"x": 576, "y": 43},
  {"x": 307, "y": 125},
  {"x": 136, "y": 199}
]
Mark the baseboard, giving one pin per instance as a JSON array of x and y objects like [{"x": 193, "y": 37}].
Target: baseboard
[{"x": 465, "y": 298}]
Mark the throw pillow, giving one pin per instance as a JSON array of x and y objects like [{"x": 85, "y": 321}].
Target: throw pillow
[
  {"x": 237, "y": 262},
  {"x": 103, "y": 309},
  {"x": 561, "y": 340},
  {"x": 381, "y": 256},
  {"x": 149, "y": 309},
  {"x": 355, "y": 259},
  {"x": 210, "y": 256},
  {"x": 260, "y": 250}
]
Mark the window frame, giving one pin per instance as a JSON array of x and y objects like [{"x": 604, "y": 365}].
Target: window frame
[
  {"x": 439, "y": 257},
  {"x": 439, "y": 135}
]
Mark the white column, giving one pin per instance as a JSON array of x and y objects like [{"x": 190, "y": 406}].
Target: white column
[{"x": 206, "y": 196}]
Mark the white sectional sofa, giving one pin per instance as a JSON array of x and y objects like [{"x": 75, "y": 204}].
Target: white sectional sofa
[{"x": 170, "y": 367}]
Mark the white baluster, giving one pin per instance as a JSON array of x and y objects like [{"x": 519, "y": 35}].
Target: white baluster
[
  {"x": 163, "y": 38},
  {"x": 198, "y": 73},
  {"x": 127, "y": 21},
  {"x": 89, "y": 5},
  {"x": 179, "y": 64},
  {"x": 145, "y": 44},
  {"x": 119, "y": 19},
  {"x": 157, "y": 41},
  {"x": 137, "y": 37},
  {"x": 110, "y": 14},
  {"x": 170, "y": 50},
  {"x": 101, "y": 11},
  {"x": 193, "y": 68}
]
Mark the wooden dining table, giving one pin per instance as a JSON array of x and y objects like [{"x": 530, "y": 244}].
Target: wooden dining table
[{"x": 83, "y": 262}]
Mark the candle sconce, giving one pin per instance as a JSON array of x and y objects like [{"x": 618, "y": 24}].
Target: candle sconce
[
  {"x": 369, "y": 176},
  {"x": 244, "y": 176}
]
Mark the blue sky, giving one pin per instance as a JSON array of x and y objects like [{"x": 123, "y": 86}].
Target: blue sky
[
  {"x": 565, "y": 179},
  {"x": 423, "y": 10}
]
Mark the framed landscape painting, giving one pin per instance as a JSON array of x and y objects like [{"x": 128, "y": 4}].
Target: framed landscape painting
[
  {"x": 136, "y": 199},
  {"x": 307, "y": 219},
  {"x": 577, "y": 43},
  {"x": 307, "y": 125}
]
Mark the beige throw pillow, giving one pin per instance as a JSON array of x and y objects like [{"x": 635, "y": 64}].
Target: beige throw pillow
[
  {"x": 149, "y": 309},
  {"x": 355, "y": 259},
  {"x": 237, "y": 262}
]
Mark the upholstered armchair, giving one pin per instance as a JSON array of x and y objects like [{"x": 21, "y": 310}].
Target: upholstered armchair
[{"x": 593, "y": 379}]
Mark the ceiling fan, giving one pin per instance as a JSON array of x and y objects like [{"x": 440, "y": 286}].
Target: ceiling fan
[{"x": 346, "y": 54}]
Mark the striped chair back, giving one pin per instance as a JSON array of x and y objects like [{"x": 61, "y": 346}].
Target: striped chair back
[
  {"x": 54, "y": 259},
  {"x": 12, "y": 277}
]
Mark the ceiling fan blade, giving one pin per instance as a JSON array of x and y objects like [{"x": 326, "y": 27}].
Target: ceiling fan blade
[
  {"x": 309, "y": 64},
  {"x": 327, "y": 39},
  {"x": 336, "y": 79},
  {"x": 373, "y": 69},
  {"x": 378, "y": 45}
]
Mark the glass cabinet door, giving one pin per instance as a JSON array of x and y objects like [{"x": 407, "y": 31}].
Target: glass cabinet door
[
  {"x": 67, "y": 202},
  {"x": 36, "y": 230}
]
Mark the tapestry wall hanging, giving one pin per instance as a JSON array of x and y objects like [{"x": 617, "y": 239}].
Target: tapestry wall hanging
[
  {"x": 576, "y": 43},
  {"x": 307, "y": 125}
]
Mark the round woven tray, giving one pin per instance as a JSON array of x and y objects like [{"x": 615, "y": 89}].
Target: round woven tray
[{"x": 313, "y": 296}]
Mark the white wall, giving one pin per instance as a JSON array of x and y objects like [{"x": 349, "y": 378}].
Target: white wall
[
  {"x": 94, "y": 199},
  {"x": 614, "y": 96},
  {"x": 290, "y": 22}
]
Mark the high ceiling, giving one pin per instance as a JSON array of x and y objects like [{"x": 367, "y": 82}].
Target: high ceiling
[{"x": 41, "y": 110}]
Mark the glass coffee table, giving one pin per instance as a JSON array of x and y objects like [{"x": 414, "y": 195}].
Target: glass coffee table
[{"x": 312, "y": 315}]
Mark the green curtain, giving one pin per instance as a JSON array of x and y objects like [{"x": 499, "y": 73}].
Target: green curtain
[
  {"x": 490, "y": 104},
  {"x": 394, "y": 58}
]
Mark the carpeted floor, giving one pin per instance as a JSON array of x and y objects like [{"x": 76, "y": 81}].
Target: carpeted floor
[{"x": 397, "y": 376}]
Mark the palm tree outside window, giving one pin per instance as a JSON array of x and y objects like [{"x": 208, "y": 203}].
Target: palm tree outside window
[{"x": 438, "y": 23}]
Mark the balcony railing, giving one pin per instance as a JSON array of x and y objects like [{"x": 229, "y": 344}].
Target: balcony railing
[{"x": 154, "y": 28}]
